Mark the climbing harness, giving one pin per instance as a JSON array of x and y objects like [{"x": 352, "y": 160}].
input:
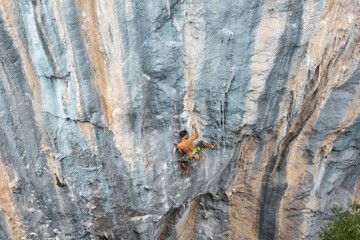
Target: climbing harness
[{"x": 194, "y": 155}]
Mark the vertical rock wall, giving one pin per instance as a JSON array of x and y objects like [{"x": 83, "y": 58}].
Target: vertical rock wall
[{"x": 93, "y": 94}]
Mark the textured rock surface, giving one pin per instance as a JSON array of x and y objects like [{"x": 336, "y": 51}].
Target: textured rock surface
[{"x": 93, "y": 93}]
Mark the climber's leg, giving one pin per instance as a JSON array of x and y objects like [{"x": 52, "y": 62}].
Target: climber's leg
[
  {"x": 204, "y": 144},
  {"x": 183, "y": 165}
]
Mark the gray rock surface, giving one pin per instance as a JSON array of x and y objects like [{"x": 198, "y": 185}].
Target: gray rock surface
[{"x": 94, "y": 93}]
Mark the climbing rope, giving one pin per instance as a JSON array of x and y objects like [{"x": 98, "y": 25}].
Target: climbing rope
[{"x": 174, "y": 189}]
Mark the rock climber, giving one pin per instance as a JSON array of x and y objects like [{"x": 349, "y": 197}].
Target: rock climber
[{"x": 185, "y": 146}]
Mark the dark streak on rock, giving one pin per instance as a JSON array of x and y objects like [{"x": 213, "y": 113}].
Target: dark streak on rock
[
  {"x": 41, "y": 31},
  {"x": 274, "y": 183},
  {"x": 276, "y": 83}
]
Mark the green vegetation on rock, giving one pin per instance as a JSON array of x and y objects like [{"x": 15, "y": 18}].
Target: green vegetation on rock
[{"x": 342, "y": 225}]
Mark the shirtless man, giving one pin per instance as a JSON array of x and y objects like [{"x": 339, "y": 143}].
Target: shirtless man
[{"x": 185, "y": 146}]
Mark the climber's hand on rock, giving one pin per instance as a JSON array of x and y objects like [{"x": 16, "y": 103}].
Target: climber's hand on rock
[{"x": 176, "y": 143}]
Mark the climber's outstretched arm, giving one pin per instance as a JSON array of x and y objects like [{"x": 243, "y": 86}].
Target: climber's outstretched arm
[{"x": 196, "y": 132}]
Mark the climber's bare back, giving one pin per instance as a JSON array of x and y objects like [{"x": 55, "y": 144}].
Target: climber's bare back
[{"x": 186, "y": 145}]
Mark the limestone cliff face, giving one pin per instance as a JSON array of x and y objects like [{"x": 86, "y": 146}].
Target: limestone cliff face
[{"x": 93, "y": 94}]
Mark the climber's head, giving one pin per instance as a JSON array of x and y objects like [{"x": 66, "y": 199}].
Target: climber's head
[{"x": 183, "y": 133}]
